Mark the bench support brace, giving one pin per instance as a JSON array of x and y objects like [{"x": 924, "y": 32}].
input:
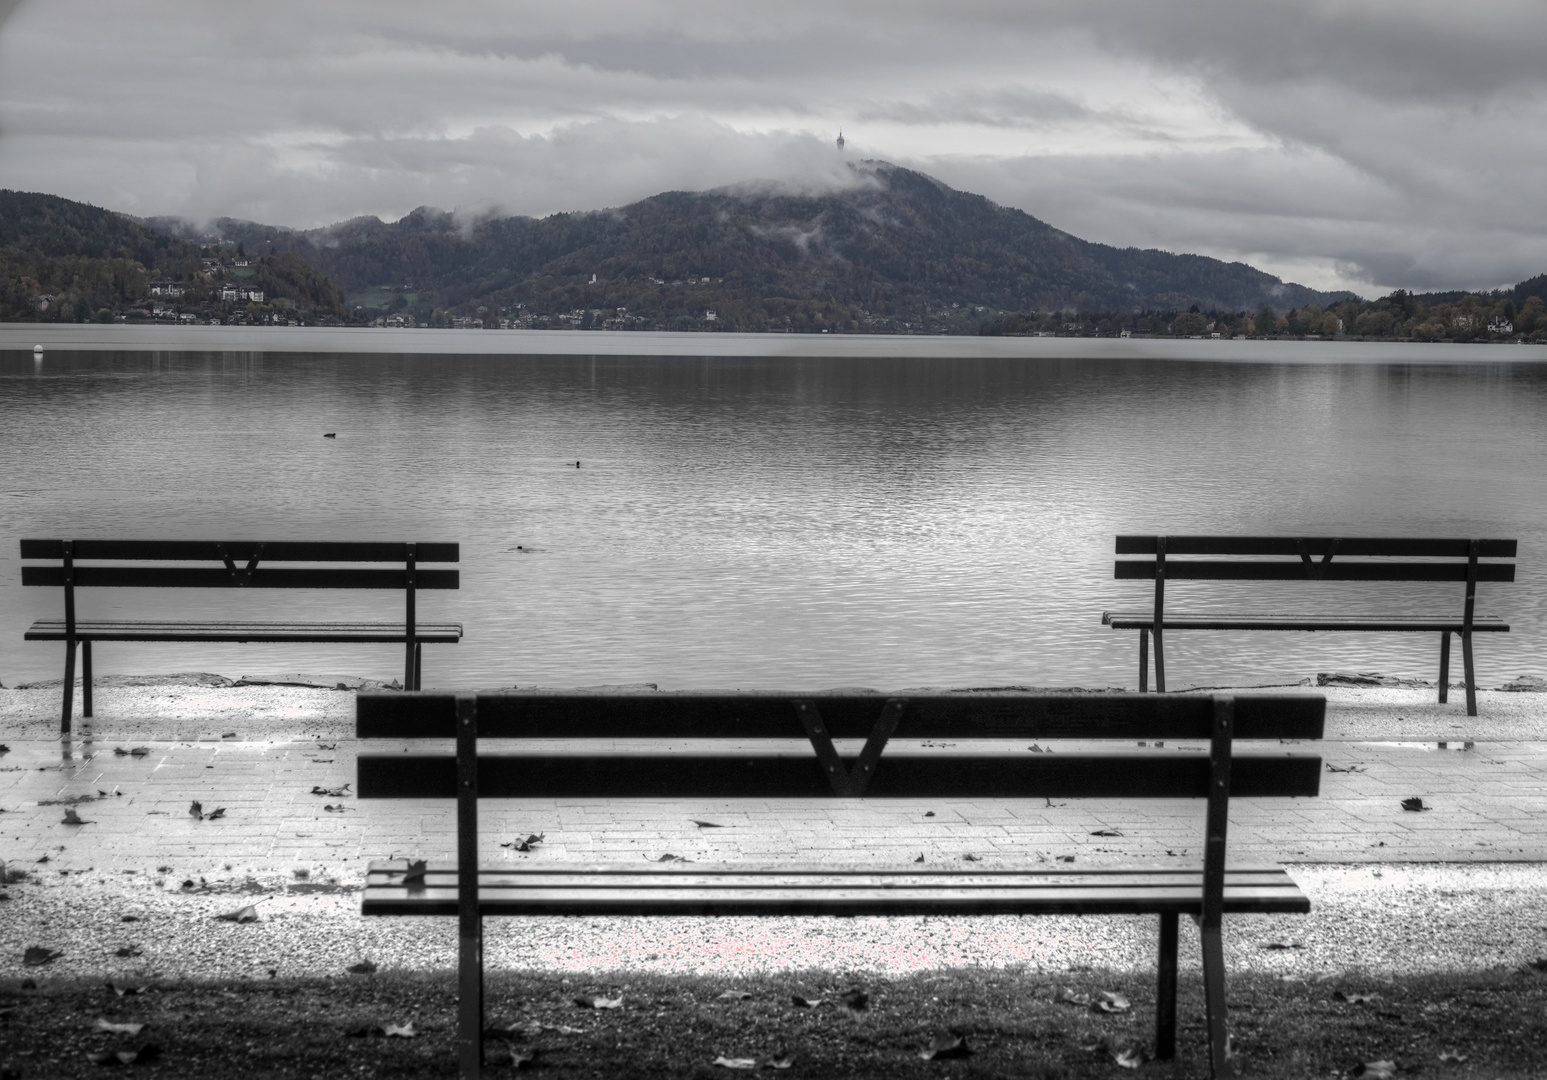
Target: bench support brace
[
  {"x": 845, "y": 781},
  {"x": 69, "y": 639},
  {"x": 469, "y": 915}
]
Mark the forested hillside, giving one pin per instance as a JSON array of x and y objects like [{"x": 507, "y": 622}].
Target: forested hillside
[
  {"x": 896, "y": 251},
  {"x": 65, "y": 261}
]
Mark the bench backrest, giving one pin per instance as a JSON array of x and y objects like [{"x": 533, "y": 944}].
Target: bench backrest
[
  {"x": 240, "y": 564},
  {"x": 240, "y": 568},
  {"x": 1315, "y": 558},
  {"x": 783, "y": 768}
]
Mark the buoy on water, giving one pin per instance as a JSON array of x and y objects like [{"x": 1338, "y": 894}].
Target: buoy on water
[{"x": 37, "y": 348}]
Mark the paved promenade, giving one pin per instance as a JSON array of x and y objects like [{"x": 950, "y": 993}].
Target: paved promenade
[{"x": 280, "y": 762}]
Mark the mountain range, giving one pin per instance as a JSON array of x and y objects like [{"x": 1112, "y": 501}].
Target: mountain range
[{"x": 893, "y": 249}]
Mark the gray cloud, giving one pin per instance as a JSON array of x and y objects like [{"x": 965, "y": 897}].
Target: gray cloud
[{"x": 1371, "y": 146}]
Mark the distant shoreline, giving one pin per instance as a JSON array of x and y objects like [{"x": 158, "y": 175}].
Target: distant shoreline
[{"x": 91, "y": 337}]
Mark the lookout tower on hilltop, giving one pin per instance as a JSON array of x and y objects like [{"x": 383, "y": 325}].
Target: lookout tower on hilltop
[{"x": 840, "y": 142}]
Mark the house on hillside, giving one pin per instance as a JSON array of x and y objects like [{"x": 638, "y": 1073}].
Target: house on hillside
[
  {"x": 1501, "y": 325},
  {"x": 166, "y": 288}
]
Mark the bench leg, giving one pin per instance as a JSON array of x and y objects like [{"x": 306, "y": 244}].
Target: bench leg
[
  {"x": 418, "y": 665},
  {"x": 1471, "y": 678},
  {"x": 1144, "y": 661},
  {"x": 69, "y": 687},
  {"x": 1165, "y": 990},
  {"x": 1214, "y": 996},
  {"x": 470, "y": 1007},
  {"x": 1444, "y": 666},
  {"x": 86, "y": 677},
  {"x": 1160, "y": 664}
]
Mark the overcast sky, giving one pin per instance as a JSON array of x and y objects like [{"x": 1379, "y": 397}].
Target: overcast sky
[{"x": 1363, "y": 144}]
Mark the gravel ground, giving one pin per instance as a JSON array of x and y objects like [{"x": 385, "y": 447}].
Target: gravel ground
[{"x": 1384, "y": 920}]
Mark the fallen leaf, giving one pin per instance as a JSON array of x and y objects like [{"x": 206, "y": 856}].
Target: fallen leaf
[
  {"x": 1376, "y": 1070},
  {"x": 1066, "y": 858},
  {"x": 1450, "y": 1055},
  {"x": 1131, "y": 1058},
  {"x": 332, "y": 793},
  {"x": 945, "y": 1048},
  {"x": 734, "y": 995},
  {"x": 196, "y": 810},
  {"x": 400, "y": 1031},
  {"x": 1107, "y": 832},
  {"x": 37, "y": 956},
  {"x": 856, "y": 999},
  {"x": 218, "y": 813},
  {"x": 147, "y": 1053},
  {"x": 1349, "y": 768},
  {"x": 72, "y": 818},
  {"x": 669, "y": 857},
  {"x": 805, "y": 1002},
  {"x": 240, "y": 915},
  {"x": 920, "y": 858},
  {"x": 779, "y": 1063},
  {"x": 229, "y": 735},
  {"x": 364, "y": 967},
  {"x": 104, "y": 1024},
  {"x": 1284, "y": 944},
  {"x": 128, "y": 951},
  {"x": 929, "y": 813},
  {"x": 1415, "y": 803},
  {"x": 1109, "y": 1001},
  {"x": 735, "y": 1063},
  {"x": 707, "y": 824},
  {"x": 1069, "y": 997},
  {"x": 1353, "y": 999},
  {"x": 523, "y": 1059},
  {"x": 970, "y": 857},
  {"x": 138, "y": 751},
  {"x": 123, "y": 991},
  {"x": 336, "y": 809},
  {"x": 598, "y": 1002},
  {"x": 530, "y": 842}
]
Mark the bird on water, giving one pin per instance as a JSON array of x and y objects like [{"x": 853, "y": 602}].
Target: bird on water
[{"x": 330, "y": 434}]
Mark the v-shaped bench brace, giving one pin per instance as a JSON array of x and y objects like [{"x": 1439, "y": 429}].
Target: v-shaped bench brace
[
  {"x": 845, "y": 781},
  {"x": 239, "y": 575},
  {"x": 1317, "y": 570}
]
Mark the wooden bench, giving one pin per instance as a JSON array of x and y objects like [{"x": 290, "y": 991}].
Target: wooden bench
[
  {"x": 760, "y": 747},
  {"x": 238, "y": 568},
  {"x": 1312, "y": 559}
]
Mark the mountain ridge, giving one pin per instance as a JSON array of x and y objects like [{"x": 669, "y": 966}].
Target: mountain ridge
[{"x": 897, "y": 249}]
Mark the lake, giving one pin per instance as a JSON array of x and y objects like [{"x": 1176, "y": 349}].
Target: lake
[{"x": 757, "y": 521}]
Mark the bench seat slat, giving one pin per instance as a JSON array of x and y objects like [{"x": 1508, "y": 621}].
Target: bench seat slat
[
  {"x": 383, "y": 872},
  {"x": 1145, "y": 620},
  {"x": 899, "y": 775},
  {"x": 242, "y": 550},
  {"x": 205, "y": 577},
  {"x": 1285, "y": 570},
  {"x": 157, "y": 630},
  {"x": 1316, "y": 546},
  {"x": 732, "y": 893},
  {"x": 686, "y": 715}
]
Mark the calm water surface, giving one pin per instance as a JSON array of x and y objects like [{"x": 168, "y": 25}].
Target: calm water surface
[{"x": 774, "y": 522}]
